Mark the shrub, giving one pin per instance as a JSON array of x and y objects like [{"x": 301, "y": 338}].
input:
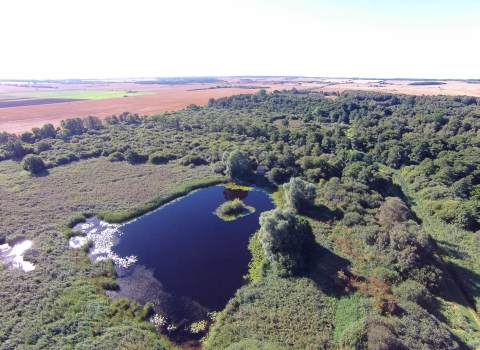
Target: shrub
[
  {"x": 238, "y": 166},
  {"x": 300, "y": 195},
  {"x": 32, "y": 163},
  {"x": 116, "y": 157},
  {"x": 157, "y": 158},
  {"x": 393, "y": 210},
  {"x": 352, "y": 219},
  {"x": 27, "y": 137},
  {"x": 62, "y": 160},
  {"x": 277, "y": 176},
  {"x": 286, "y": 241},
  {"x": 231, "y": 207},
  {"x": 415, "y": 292},
  {"x": 133, "y": 157},
  {"x": 195, "y": 160},
  {"x": 355, "y": 336},
  {"x": 42, "y": 146},
  {"x": 15, "y": 149},
  {"x": 219, "y": 168}
]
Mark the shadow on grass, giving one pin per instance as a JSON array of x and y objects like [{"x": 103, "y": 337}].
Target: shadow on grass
[
  {"x": 468, "y": 281},
  {"x": 449, "y": 249},
  {"x": 324, "y": 213},
  {"x": 324, "y": 268},
  {"x": 43, "y": 173}
]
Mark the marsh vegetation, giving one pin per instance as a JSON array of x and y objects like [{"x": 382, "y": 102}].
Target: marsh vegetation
[
  {"x": 373, "y": 241},
  {"x": 234, "y": 209}
]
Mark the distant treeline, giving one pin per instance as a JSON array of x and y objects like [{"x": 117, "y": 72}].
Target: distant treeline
[
  {"x": 427, "y": 83},
  {"x": 231, "y": 87},
  {"x": 179, "y": 81}
]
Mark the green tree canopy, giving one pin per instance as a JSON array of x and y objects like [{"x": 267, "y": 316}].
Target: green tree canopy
[
  {"x": 299, "y": 195},
  {"x": 286, "y": 240},
  {"x": 32, "y": 163},
  {"x": 238, "y": 166}
]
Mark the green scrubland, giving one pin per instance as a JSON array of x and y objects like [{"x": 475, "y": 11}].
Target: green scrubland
[{"x": 377, "y": 201}]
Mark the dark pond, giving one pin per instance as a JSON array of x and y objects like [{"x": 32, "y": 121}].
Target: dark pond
[{"x": 190, "y": 250}]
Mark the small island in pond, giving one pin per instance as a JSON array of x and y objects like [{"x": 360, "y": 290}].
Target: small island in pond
[{"x": 232, "y": 210}]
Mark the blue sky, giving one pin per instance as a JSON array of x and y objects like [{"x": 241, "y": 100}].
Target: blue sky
[{"x": 349, "y": 38}]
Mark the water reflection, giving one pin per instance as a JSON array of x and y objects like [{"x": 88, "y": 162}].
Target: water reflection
[
  {"x": 192, "y": 252},
  {"x": 230, "y": 194}
]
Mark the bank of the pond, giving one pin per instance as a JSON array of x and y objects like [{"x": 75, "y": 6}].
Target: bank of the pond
[
  {"x": 181, "y": 258},
  {"x": 122, "y": 217}
]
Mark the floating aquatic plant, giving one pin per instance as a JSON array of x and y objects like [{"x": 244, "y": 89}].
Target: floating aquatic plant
[
  {"x": 158, "y": 320},
  {"x": 198, "y": 327},
  {"x": 102, "y": 235}
]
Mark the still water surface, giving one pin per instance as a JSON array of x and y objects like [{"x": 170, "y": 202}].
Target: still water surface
[{"x": 191, "y": 251}]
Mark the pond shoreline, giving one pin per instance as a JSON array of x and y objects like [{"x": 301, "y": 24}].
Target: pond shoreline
[{"x": 140, "y": 281}]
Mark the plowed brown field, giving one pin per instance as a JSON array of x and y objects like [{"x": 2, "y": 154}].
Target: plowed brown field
[
  {"x": 167, "y": 98},
  {"x": 19, "y": 119}
]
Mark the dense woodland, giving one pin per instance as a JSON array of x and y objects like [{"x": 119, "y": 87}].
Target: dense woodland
[{"x": 378, "y": 196}]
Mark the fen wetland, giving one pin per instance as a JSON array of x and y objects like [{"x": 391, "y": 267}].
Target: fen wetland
[
  {"x": 368, "y": 235},
  {"x": 182, "y": 259}
]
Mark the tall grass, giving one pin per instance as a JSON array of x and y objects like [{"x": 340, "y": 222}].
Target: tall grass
[{"x": 113, "y": 217}]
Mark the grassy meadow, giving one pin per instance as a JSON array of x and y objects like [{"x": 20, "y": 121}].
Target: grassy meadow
[{"x": 60, "y": 296}]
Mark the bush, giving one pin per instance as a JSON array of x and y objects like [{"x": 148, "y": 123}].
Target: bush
[
  {"x": 415, "y": 292},
  {"x": 238, "y": 166},
  {"x": 393, "y": 210},
  {"x": 231, "y": 207},
  {"x": 277, "y": 175},
  {"x": 32, "y": 163},
  {"x": 219, "y": 168},
  {"x": 62, "y": 160},
  {"x": 286, "y": 241},
  {"x": 352, "y": 219},
  {"x": 15, "y": 149},
  {"x": 133, "y": 157},
  {"x": 300, "y": 195},
  {"x": 116, "y": 157},
  {"x": 42, "y": 146},
  {"x": 157, "y": 158},
  {"x": 195, "y": 160}
]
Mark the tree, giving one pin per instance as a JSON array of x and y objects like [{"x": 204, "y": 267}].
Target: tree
[
  {"x": 277, "y": 176},
  {"x": 238, "y": 166},
  {"x": 15, "y": 149},
  {"x": 27, "y": 137},
  {"x": 286, "y": 241},
  {"x": 111, "y": 120},
  {"x": 48, "y": 131},
  {"x": 92, "y": 122},
  {"x": 300, "y": 195},
  {"x": 42, "y": 146},
  {"x": 393, "y": 210},
  {"x": 32, "y": 163},
  {"x": 74, "y": 125}
]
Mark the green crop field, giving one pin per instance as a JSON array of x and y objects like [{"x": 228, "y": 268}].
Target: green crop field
[{"x": 72, "y": 94}]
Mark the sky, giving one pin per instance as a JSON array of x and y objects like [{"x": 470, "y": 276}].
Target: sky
[{"x": 318, "y": 38}]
